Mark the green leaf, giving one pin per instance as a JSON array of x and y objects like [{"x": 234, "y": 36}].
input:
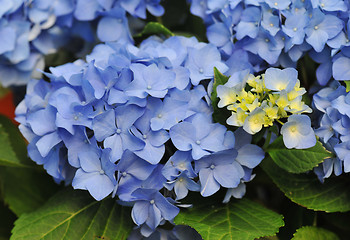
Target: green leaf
[
  {"x": 13, "y": 151},
  {"x": 219, "y": 79},
  {"x": 240, "y": 219},
  {"x": 155, "y": 28},
  {"x": 26, "y": 189},
  {"x": 306, "y": 190},
  {"x": 297, "y": 160},
  {"x": 314, "y": 233},
  {"x": 74, "y": 214},
  {"x": 219, "y": 115},
  {"x": 347, "y": 83}
]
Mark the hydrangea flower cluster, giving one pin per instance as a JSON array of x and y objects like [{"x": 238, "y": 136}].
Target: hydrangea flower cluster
[
  {"x": 257, "y": 102},
  {"x": 136, "y": 123},
  {"x": 334, "y": 128},
  {"x": 30, "y": 29},
  {"x": 281, "y": 32}
]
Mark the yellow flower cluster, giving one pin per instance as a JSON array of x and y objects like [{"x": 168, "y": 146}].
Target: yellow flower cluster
[{"x": 254, "y": 106}]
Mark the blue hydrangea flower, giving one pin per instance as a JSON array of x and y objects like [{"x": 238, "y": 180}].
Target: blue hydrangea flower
[
  {"x": 280, "y": 32},
  {"x": 218, "y": 169},
  {"x": 107, "y": 121},
  {"x": 151, "y": 207},
  {"x": 96, "y": 173}
]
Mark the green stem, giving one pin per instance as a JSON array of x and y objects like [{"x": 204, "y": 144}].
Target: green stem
[{"x": 277, "y": 120}]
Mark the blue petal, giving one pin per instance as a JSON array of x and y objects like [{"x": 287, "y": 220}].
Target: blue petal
[
  {"x": 228, "y": 176},
  {"x": 110, "y": 29},
  {"x": 209, "y": 185},
  {"x": 114, "y": 142},
  {"x": 250, "y": 155},
  {"x": 182, "y": 135},
  {"x": 140, "y": 212},
  {"x": 7, "y": 39},
  {"x": 341, "y": 68},
  {"x": 104, "y": 125},
  {"x": 47, "y": 142}
]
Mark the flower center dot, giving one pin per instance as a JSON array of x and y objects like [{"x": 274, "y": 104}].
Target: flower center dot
[
  {"x": 212, "y": 166},
  {"x": 295, "y": 29},
  {"x": 322, "y": 4},
  {"x": 271, "y": 24},
  {"x": 256, "y": 121},
  {"x": 124, "y": 174},
  {"x": 151, "y": 202},
  {"x": 316, "y": 27},
  {"x": 198, "y": 142},
  {"x": 102, "y": 172},
  {"x": 149, "y": 87},
  {"x": 256, "y": 23},
  {"x": 144, "y": 136},
  {"x": 160, "y": 115},
  {"x": 181, "y": 179},
  {"x": 181, "y": 166},
  {"x": 276, "y": 4},
  {"x": 293, "y": 129},
  {"x": 267, "y": 40},
  {"x": 76, "y": 118},
  {"x": 120, "y": 20},
  {"x": 119, "y": 131},
  {"x": 201, "y": 70}
]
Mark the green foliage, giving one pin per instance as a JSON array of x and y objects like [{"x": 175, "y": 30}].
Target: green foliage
[
  {"x": 240, "y": 219},
  {"x": 219, "y": 115},
  {"x": 74, "y": 214},
  {"x": 297, "y": 160},
  {"x": 219, "y": 79},
  {"x": 13, "y": 150},
  {"x": 314, "y": 233},
  {"x": 306, "y": 190},
  {"x": 155, "y": 28},
  {"x": 24, "y": 189},
  {"x": 347, "y": 84}
]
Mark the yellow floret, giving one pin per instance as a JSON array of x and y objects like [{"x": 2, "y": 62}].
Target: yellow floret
[{"x": 253, "y": 105}]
